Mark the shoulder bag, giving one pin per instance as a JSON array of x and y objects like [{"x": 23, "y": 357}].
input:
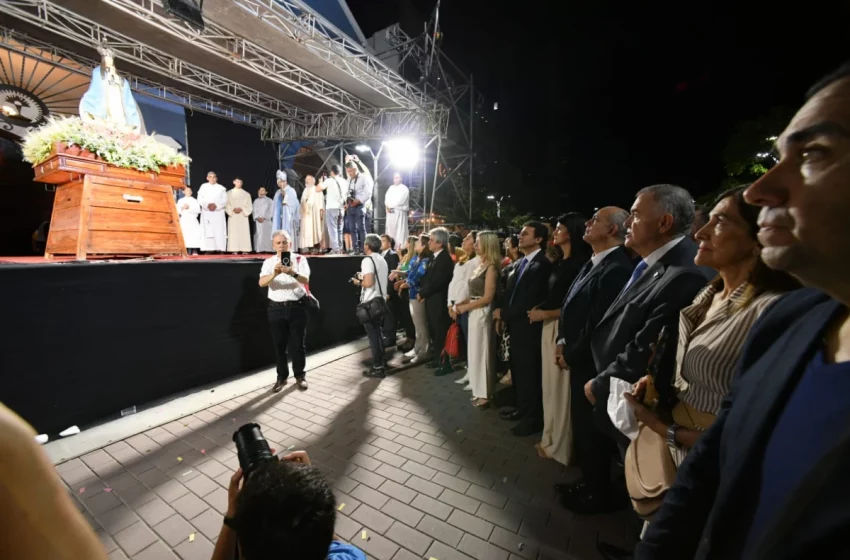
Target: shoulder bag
[{"x": 373, "y": 310}]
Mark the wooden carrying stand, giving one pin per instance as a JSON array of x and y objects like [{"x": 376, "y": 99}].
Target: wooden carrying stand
[{"x": 102, "y": 210}]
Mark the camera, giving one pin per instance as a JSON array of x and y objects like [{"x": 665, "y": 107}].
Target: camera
[{"x": 252, "y": 449}]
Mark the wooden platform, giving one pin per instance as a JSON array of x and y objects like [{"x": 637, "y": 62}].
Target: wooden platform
[{"x": 101, "y": 210}]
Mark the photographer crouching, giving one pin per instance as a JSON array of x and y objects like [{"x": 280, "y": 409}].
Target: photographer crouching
[
  {"x": 285, "y": 275},
  {"x": 372, "y": 280},
  {"x": 278, "y": 508}
]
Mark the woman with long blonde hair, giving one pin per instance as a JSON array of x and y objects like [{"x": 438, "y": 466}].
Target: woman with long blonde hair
[
  {"x": 397, "y": 277},
  {"x": 483, "y": 285}
]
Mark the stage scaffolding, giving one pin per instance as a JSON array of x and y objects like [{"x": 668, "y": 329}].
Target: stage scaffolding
[{"x": 424, "y": 111}]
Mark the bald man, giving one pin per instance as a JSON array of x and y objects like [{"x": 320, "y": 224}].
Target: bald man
[{"x": 596, "y": 287}]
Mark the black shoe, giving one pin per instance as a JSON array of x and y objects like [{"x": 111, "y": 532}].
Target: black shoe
[
  {"x": 611, "y": 552},
  {"x": 278, "y": 385},
  {"x": 511, "y": 414},
  {"x": 526, "y": 428},
  {"x": 444, "y": 369},
  {"x": 375, "y": 373}
]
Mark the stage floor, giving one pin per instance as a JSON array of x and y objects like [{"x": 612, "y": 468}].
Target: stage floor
[{"x": 419, "y": 469}]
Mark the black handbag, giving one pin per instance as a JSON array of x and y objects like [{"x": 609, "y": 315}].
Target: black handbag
[{"x": 373, "y": 310}]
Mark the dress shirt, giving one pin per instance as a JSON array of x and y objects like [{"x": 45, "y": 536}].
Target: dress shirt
[
  {"x": 335, "y": 193},
  {"x": 599, "y": 257},
  {"x": 656, "y": 255},
  {"x": 459, "y": 286},
  {"x": 361, "y": 188},
  {"x": 436, "y": 254},
  {"x": 285, "y": 287}
]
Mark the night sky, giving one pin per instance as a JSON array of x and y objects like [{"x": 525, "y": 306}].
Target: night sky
[{"x": 598, "y": 99}]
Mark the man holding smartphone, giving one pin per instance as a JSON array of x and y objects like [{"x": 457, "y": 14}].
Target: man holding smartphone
[{"x": 286, "y": 274}]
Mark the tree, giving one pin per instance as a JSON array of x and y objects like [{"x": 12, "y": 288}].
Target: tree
[{"x": 748, "y": 154}]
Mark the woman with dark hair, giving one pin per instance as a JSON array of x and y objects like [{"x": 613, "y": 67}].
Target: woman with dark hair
[
  {"x": 713, "y": 329},
  {"x": 416, "y": 270},
  {"x": 571, "y": 252}
]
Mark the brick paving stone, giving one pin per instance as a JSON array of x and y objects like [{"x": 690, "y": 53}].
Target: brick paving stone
[
  {"x": 369, "y": 496},
  {"x": 174, "y": 530},
  {"x": 518, "y": 545},
  {"x": 108, "y": 542},
  {"x": 365, "y": 461},
  {"x": 467, "y": 504},
  {"x": 481, "y": 550},
  {"x": 403, "y": 554},
  {"x": 135, "y": 538},
  {"x": 428, "y": 488},
  {"x": 419, "y": 470},
  {"x": 370, "y": 479},
  {"x": 209, "y": 523},
  {"x": 200, "y": 549},
  {"x": 414, "y": 455},
  {"x": 217, "y": 499},
  {"x": 443, "y": 552},
  {"x": 170, "y": 491},
  {"x": 372, "y": 518},
  {"x": 390, "y": 458},
  {"x": 350, "y": 503},
  {"x": 189, "y": 505},
  {"x": 117, "y": 554},
  {"x": 402, "y": 512},
  {"x": 503, "y": 518},
  {"x": 444, "y": 466},
  {"x": 452, "y": 482},
  {"x": 408, "y": 538},
  {"x": 431, "y": 506},
  {"x": 102, "y": 502},
  {"x": 394, "y": 474},
  {"x": 345, "y": 527},
  {"x": 201, "y": 484},
  {"x": 155, "y": 511},
  {"x": 471, "y": 524},
  {"x": 156, "y": 551},
  {"x": 397, "y": 491},
  {"x": 377, "y": 546},
  {"x": 435, "y": 451},
  {"x": 487, "y": 496}
]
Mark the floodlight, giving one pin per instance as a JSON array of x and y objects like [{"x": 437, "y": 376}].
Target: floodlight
[
  {"x": 491, "y": 197},
  {"x": 403, "y": 152},
  {"x": 362, "y": 148}
]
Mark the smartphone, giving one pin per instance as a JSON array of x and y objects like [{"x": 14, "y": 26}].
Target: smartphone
[{"x": 286, "y": 259}]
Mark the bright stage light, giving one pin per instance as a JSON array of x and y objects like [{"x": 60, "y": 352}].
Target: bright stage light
[
  {"x": 403, "y": 152},
  {"x": 491, "y": 197},
  {"x": 362, "y": 148}
]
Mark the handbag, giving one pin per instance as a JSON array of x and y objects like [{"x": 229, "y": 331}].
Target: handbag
[
  {"x": 452, "y": 346},
  {"x": 650, "y": 471},
  {"x": 373, "y": 310},
  {"x": 312, "y": 302}
]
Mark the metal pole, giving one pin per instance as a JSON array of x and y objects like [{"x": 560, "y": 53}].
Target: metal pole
[
  {"x": 471, "y": 140},
  {"x": 436, "y": 172}
]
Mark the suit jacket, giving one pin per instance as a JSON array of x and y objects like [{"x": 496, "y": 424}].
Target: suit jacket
[
  {"x": 392, "y": 263},
  {"x": 434, "y": 287},
  {"x": 584, "y": 308},
  {"x": 621, "y": 340},
  {"x": 708, "y": 511},
  {"x": 523, "y": 293}
]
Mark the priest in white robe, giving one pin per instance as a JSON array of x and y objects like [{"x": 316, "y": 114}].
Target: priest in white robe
[
  {"x": 286, "y": 207},
  {"x": 188, "y": 209},
  {"x": 213, "y": 199},
  {"x": 263, "y": 214},
  {"x": 312, "y": 214},
  {"x": 397, "y": 202},
  {"x": 238, "y": 224}
]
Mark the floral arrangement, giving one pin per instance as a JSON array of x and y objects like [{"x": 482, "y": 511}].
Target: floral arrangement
[{"x": 104, "y": 140}]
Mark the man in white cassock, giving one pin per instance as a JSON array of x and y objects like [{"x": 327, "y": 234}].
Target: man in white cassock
[
  {"x": 188, "y": 209},
  {"x": 397, "y": 202},
  {"x": 213, "y": 199},
  {"x": 238, "y": 224},
  {"x": 312, "y": 214},
  {"x": 263, "y": 214}
]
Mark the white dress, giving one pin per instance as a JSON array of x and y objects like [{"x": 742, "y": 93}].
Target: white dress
[
  {"x": 481, "y": 359},
  {"x": 213, "y": 224},
  {"x": 189, "y": 221},
  {"x": 238, "y": 225},
  {"x": 397, "y": 201},
  {"x": 263, "y": 208}
]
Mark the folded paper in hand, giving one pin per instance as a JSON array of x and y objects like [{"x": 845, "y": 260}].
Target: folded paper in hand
[{"x": 619, "y": 411}]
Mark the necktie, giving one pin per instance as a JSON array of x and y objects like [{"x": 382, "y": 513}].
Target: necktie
[
  {"x": 582, "y": 274},
  {"x": 635, "y": 275},
  {"x": 519, "y": 275}
]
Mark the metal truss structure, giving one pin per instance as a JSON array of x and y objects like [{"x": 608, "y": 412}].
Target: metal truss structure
[{"x": 383, "y": 124}]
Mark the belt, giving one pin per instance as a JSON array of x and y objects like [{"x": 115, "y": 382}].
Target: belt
[{"x": 275, "y": 304}]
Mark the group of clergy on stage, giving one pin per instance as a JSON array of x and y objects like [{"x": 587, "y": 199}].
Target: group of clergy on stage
[{"x": 318, "y": 221}]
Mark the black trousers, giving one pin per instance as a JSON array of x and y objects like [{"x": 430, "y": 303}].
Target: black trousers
[
  {"x": 439, "y": 322},
  {"x": 288, "y": 324},
  {"x": 527, "y": 369},
  {"x": 376, "y": 343},
  {"x": 391, "y": 319},
  {"x": 593, "y": 447},
  {"x": 404, "y": 318}
]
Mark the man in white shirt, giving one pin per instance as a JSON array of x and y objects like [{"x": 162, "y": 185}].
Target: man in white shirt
[
  {"x": 286, "y": 275},
  {"x": 213, "y": 200},
  {"x": 373, "y": 284},
  {"x": 188, "y": 209},
  {"x": 263, "y": 214},
  {"x": 335, "y": 190}
]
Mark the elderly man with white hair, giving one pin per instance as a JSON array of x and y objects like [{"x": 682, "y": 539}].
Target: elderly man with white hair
[
  {"x": 286, "y": 274},
  {"x": 434, "y": 291}
]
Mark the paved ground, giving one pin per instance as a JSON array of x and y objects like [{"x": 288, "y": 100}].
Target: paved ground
[{"x": 416, "y": 466}]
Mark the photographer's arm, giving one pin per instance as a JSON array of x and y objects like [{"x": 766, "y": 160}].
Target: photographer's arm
[{"x": 225, "y": 546}]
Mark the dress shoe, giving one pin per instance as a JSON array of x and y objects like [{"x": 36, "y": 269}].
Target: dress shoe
[
  {"x": 444, "y": 369},
  {"x": 611, "y": 552},
  {"x": 526, "y": 428},
  {"x": 375, "y": 373},
  {"x": 301, "y": 383},
  {"x": 511, "y": 414},
  {"x": 278, "y": 385}
]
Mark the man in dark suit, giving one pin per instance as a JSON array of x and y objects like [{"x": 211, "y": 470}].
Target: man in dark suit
[
  {"x": 768, "y": 480},
  {"x": 664, "y": 281},
  {"x": 434, "y": 289},
  {"x": 391, "y": 318},
  {"x": 597, "y": 285},
  {"x": 527, "y": 287}
]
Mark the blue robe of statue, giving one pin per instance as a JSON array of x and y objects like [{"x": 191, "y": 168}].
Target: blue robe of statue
[
  {"x": 94, "y": 101},
  {"x": 286, "y": 216}
]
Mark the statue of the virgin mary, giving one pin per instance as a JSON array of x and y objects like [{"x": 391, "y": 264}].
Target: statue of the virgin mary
[{"x": 109, "y": 97}]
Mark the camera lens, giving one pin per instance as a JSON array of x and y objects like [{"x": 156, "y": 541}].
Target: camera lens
[{"x": 251, "y": 448}]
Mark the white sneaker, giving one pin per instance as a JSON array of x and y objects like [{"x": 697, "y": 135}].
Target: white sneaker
[
  {"x": 410, "y": 354},
  {"x": 420, "y": 359},
  {"x": 463, "y": 380},
  {"x": 468, "y": 388}
]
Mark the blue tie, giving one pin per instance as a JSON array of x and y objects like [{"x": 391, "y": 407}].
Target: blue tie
[
  {"x": 635, "y": 275},
  {"x": 519, "y": 275}
]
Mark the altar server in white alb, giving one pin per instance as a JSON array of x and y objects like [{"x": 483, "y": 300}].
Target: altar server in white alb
[
  {"x": 213, "y": 200},
  {"x": 397, "y": 202},
  {"x": 312, "y": 214},
  {"x": 238, "y": 225},
  {"x": 188, "y": 209},
  {"x": 263, "y": 214}
]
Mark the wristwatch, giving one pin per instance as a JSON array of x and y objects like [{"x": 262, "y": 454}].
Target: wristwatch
[{"x": 671, "y": 435}]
